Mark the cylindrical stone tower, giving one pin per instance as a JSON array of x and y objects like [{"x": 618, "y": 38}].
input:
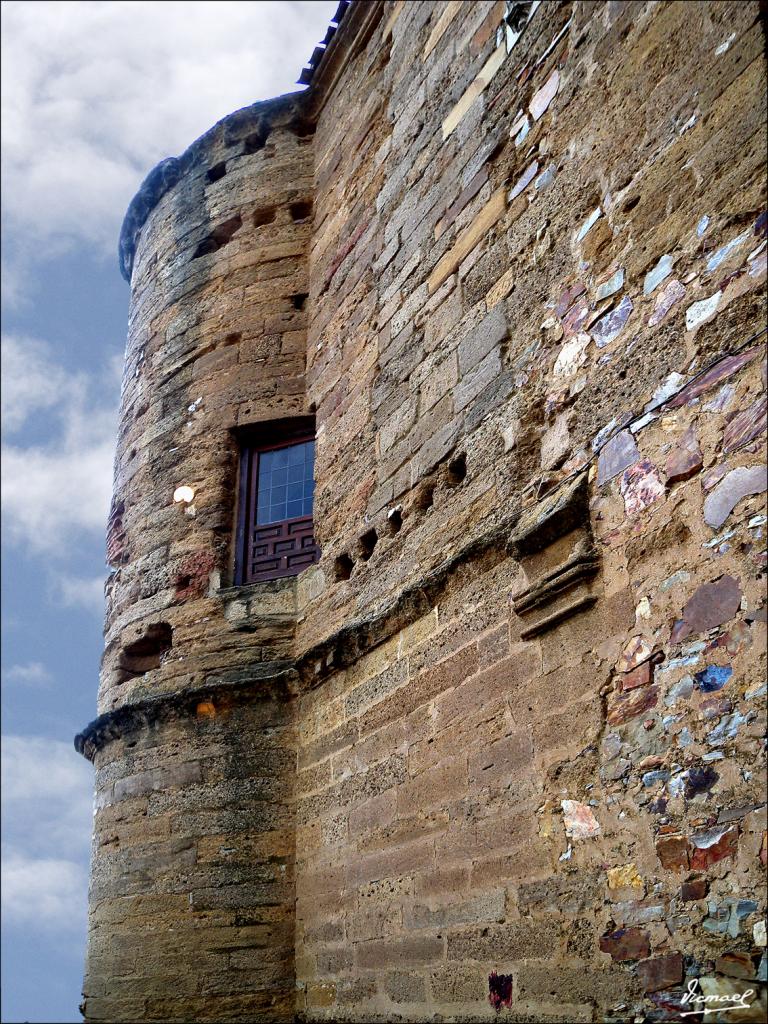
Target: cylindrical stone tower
[{"x": 192, "y": 893}]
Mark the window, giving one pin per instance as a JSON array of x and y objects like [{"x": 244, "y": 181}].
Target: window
[{"x": 275, "y": 536}]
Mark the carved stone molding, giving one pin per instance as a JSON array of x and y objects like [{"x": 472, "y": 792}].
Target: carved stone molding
[{"x": 553, "y": 542}]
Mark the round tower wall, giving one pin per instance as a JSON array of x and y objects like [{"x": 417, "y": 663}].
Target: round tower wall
[{"x": 192, "y": 890}]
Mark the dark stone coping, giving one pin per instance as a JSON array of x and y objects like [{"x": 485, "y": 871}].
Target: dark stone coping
[
  {"x": 348, "y": 644},
  {"x": 272, "y": 679},
  {"x": 231, "y": 130}
]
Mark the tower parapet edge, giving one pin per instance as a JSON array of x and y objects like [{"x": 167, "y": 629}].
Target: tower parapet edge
[{"x": 499, "y": 747}]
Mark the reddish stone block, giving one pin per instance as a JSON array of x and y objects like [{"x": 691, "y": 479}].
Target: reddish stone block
[
  {"x": 624, "y": 707},
  {"x": 686, "y": 460},
  {"x": 192, "y": 577},
  {"x": 626, "y": 944},
  {"x": 711, "y": 605},
  {"x": 568, "y": 297},
  {"x": 735, "y": 965},
  {"x": 720, "y": 371},
  {"x": 745, "y": 425},
  {"x": 673, "y": 852},
  {"x": 640, "y": 487},
  {"x": 640, "y": 676},
  {"x": 635, "y": 653},
  {"x": 661, "y": 972},
  {"x": 713, "y": 846},
  {"x": 696, "y": 889}
]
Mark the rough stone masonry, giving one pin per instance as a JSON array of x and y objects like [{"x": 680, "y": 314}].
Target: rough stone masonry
[{"x": 499, "y": 753}]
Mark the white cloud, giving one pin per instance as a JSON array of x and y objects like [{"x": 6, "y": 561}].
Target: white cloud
[
  {"x": 43, "y": 892},
  {"x": 53, "y": 493},
  {"x": 79, "y": 592},
  {"x": 33, "y": 674},
  {"x": 95, "y": 93},
  {"x": 31, "y": 380},
  {"x": 47, "y": 797},
  {"x": 47, "y": 819},
  {"x": 35, "y": 768}
]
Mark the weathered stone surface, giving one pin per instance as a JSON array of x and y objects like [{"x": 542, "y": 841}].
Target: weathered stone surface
[
  {"x": 623, "y": 707},
  {"x": 616, "y": 456},
  {"x": 640, "y": 487},
  {"x": 673, "y": 852},
  {"x": 635, "y": 653},
  {"x": 711, "y": 605},
  {"x": 737, "y": 484},
  {"x": 696, "y": 889},
  {"x": 722, "y": 369},
  {"x": 542, "y": 98},
  {"x": 524, "y": 180},
  {"x": 661, "y": 972},
  {"x": 610, "y": 286},
  {"x": 746, "y": 425},
  {"x": 580, "y": 822},
  {"x": 625, "y": 877},
  {"x": 609, "y": 327},
  {"x": 672, "y": 293},
  {"x": 568, "y": 297},
  {"x": 735, "y": 965},
  {"x": 713, "y": 845},
  {"x": 551, "y": 518},
  {"x": 640, "y": 676},
  {"x": 685, "y": 460},
  {"x": 626, "y": 944}
]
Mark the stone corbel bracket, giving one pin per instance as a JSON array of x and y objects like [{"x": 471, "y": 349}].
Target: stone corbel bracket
[{"x": 553, "y": 543}]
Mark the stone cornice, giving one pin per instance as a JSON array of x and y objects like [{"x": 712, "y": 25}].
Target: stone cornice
[
  {"x": 309, "y": 669},
  {"x": 353, "y": 33},
  {"x": 273, "y": 679}
]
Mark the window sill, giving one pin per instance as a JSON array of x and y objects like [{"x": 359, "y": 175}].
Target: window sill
[{"x": 249, "y": 601}]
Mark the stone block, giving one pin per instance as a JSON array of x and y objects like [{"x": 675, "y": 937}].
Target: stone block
[
  {"x": 516, "y": 940},
  {"x": 481, "y": 340},
  {"x": 404, "y": 987},
  {"x": 397, "y": 953}
]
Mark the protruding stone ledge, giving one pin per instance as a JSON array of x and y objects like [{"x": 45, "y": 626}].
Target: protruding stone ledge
[
  {"x": 271, "y": 679},
  {"x": 559, "y": 577},
  {"x": 338, "y": 651},
  {"x": 360, "y": 636},
  {"x": 582, "y": 566}
]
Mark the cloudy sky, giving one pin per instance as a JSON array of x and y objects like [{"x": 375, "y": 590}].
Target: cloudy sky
[{"x": 94, "y": 93}]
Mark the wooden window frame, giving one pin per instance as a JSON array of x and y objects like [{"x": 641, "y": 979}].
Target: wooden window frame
[{"x": 288, "y": 546}]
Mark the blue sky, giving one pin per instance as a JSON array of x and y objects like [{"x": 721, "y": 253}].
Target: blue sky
[{"x": 93, "y": 95}]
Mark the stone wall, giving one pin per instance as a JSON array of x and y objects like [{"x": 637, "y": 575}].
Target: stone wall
[
  {"x": 552, "y": 774},
  {"x": 501, "y": 749}
]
